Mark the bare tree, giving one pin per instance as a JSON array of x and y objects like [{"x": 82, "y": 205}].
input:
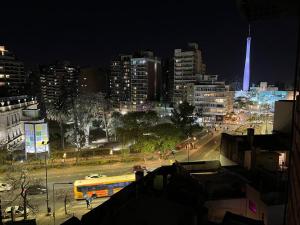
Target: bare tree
[
  {"x": 86, "y": 109},
  {"x": 20, "y": 182}
]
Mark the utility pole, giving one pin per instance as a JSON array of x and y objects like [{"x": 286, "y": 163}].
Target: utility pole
[
  {"x": 47, "y": 191},
  {"x": 65, "y": 201},
  {"x": 25, "y": 204},
  {"x": 46, "y": 173},
  {"x": 12, "y": 213},
  {"x": 54, "y": 198},
  {"x": 1, "y": 223}
]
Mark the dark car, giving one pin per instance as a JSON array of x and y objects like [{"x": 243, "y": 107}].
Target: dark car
[{"x": 36, "y": 189}]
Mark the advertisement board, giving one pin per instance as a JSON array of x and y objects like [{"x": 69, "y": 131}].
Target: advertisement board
[{"x": 35, "y": 135}]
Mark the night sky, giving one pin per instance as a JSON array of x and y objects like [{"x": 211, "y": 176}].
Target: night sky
[{"x": 91, "y": 34}]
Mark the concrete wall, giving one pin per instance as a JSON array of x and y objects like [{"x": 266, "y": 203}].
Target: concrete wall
[
  {"x": 253, "y": 198},
  {"x": 218, "y": 208},
  {"x": 283, "y": 116},
  {"x": 270, "y": 214},
  {"x": 275, "y": 215}
]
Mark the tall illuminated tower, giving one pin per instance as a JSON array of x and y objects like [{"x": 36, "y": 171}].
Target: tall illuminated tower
[{"x": 246, "y": 80}]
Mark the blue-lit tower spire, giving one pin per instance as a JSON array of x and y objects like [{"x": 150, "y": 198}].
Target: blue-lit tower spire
[{"x": 246, "y": 80}]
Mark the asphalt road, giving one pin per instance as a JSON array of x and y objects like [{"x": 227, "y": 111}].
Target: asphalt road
[{"x": 206, "y": 149}]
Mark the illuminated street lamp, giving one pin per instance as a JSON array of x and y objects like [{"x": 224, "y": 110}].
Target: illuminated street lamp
[{"x": 45, "y": 143}]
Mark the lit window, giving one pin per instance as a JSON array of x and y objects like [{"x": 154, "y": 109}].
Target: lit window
[
  {"x": 7, "y": 76},
  {"x": 1, "y": 75}
]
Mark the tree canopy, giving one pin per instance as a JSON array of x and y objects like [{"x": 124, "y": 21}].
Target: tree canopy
[{"x": 184, "y": 118}]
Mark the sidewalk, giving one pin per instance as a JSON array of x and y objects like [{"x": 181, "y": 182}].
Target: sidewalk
[{"x": 75, "y": 208}]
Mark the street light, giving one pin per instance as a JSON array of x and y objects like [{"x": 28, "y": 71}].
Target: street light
[
  {"x": 54, "y": 198},
  {"x": 46, "y": 168},
  {"x": 1, "y": 223}
]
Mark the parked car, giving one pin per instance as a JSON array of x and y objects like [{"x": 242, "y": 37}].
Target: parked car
[
  {"x": 5, "y": 187},
  {"x": 94, "y": 175},
  {"x": 19, "y": 211},
  {"x": 36, "y": 189}
]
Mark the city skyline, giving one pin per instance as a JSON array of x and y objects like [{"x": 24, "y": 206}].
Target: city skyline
[
  {"x": 92, "y": 35},
  {"x": 150, "y": 112}
]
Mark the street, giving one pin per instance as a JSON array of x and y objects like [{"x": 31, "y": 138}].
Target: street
[{"x": 206, "y": 148}]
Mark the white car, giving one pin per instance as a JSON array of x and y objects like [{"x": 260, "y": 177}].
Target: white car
[
  {"x": 94, "y": 175},
  {"x": 19, "y": 211},
  {"x": 5, "y": 187}
]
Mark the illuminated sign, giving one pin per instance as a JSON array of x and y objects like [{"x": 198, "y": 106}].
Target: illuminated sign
[
  {"x": 35, "y": 135},
  {"x": 252, "y": 206}
]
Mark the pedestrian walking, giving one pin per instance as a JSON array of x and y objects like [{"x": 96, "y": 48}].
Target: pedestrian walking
[{"x": 88, "y": 203}]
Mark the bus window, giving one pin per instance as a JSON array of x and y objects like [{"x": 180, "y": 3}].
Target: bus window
[
  {"x": 82, "y": 189},
  {"x": 91, "y": 188}
]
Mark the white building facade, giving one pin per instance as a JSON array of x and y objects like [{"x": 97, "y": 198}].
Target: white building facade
[
  {"x": 212, "y": 99},
  {"x": 14, "y": 111},
  {"x": 187, "y": 63}
]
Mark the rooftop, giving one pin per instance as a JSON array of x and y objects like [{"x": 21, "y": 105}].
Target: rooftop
[{"x": 272, "y": 142}]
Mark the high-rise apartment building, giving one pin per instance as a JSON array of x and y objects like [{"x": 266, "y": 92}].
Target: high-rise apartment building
[
  {"x": 167, "y": 78},
  {"x": 145, "y": 80},
  {"x": 211, "y": 98},
  {"x": 120, "y": 81},
  {"x": 187, "y": 63},
  {"x": 59, "y": 80},
  {"x": 12, "y": 76}
]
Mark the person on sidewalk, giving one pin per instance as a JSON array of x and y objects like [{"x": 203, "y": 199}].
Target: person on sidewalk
[
  {"x": 87, "y": 200},
  {"x": 88, "y": 203}
]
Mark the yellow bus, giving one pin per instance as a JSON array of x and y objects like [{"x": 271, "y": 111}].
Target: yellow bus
[{"x": 101, "y": 187}]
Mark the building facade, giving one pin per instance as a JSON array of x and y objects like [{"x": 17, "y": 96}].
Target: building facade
[
  {"x": 12, "y": 76},
  {"x": 293, "y": 216},
  {"x": 93, "y": 80},
  {"x": 59, "y": 80},
  {"x": 145, "y": 80},
  {"x": 120, "y": 81},
  {"x": 212, "y": 98},
  {"x": 167, "y": 68},
  {"x": 187, "y": 63},
  {"x": 13, "y": 113}
]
